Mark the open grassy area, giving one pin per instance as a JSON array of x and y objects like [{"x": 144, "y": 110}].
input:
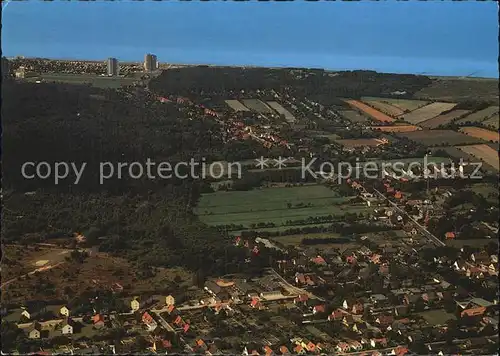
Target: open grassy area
[
  {"x": 281, "y": 228},
  {"x": 470, "y": 242},
  {"x": 456, "y": 89},
  {"x": 488, "y": 191},
  {"x": 331, "y": 137},
  {"x": 436, "y": 317},
  {"x": 406, "y": 161},
  {"x": 99, "y": 270},
  {"x": 296, "y": 240},
  {"x": 271, "y": 205},
  {"x": 439, "y": 138}
]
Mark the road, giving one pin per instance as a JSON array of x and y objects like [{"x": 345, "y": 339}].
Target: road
[
  {"x": 168, "y": 327},
  {"x": 365, "y": 352},
  {"x": 419, "y": 227},
  {"x": 296, "y": 290},
  {"x": 47, "y": 323}
]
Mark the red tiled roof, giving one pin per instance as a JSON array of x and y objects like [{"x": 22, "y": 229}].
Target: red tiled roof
[
  {"x": 319, "y": 308},
  {"x": 400, "y": 350},
  {"x": 147, "y": 318},
  {"x": 319, "y": 260},
  {"x": 284, "y": 350},
  {"x": 97, "y": 318},
  {"x": 449, "y": 235}
]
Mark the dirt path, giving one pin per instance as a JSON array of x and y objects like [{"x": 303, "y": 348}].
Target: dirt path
[{"x": 41, "y": 269}]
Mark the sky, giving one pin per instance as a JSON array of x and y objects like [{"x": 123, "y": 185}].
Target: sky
[{"x": 438, "y": 38}]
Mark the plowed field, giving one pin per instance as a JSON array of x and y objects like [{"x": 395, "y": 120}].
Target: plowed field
[
  {"x": 375, "y": 114},
  {"x": 478, "y": 132}
]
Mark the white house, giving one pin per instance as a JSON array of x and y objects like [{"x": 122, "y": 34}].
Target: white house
[
  {"x": 169, "y": 300},
  {"x": 135, "y": 305},
  {"x": 64, "y": 311},
  {"x": 67, "y": 329},
  {"x": 26, "y": 314},
  {"x": 34, "y": 331}
]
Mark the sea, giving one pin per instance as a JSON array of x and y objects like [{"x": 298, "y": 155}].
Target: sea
[{"x": 446, "y": 38}]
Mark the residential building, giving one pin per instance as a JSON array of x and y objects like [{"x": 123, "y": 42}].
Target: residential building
[
  {"x": 147, "y": 319},
  {"x": 150, "y": 62},
  {"x": 98, "y": 320},
  {"x": 67, "y": 327},
  {"x": 169, "y": 300},
  {"x": 34, "y": 331},
  {"x": 22, "y": 73},
  {"x": 64, "y": 311},
  {"x": 5, "y": 68},
  {"x": 26, "y": 314},
  {"x": 113, "y": 67},
  {"x": 135, "y": 304}
]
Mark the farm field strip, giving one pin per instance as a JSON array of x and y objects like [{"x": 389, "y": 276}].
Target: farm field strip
[
  {"x": 439, "y": 137},
  {"x": 353, "y": 116},
  {"x": 481, "y": 133},
  {"x": 403, "y": 104},
  {"x": 427, "y": 112},
  {"x": 280, "y": 216},
  {"x": 270, "y": 205},
  {"x": 493, "y": 122},
  {"x": 257, "y": 105},
  {"x": 407, "y": 161},
  {"x": 375, "y": 114},
  {"x": 484, "y": 152},
  {"x": 331, "y": 137},
  {"x": 260, "y": 196},
  {"x": 480, "y": 115},
  {"x": 360, "y": 142},
  {"x": 397, "y": 128},
  {"x": 265, "y": 206},
  {"x": 443, "y": 119},
  {"x": 236, "y": 105},
  {"x": 281, "y": 110},
  {"x": 279, "y": 228},
  {"x": 297, "y": 239},
  {"x": 384, "y": 107}
]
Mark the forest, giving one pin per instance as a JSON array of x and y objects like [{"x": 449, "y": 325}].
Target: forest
[
  {"x": 148, "y": 221},
  {"x": 317, "y": 85}
]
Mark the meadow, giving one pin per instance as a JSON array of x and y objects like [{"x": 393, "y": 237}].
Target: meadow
[
  {"x": 484, "y": 152},
  {"x": 443, "y": 119},
  {"x": 427, "y": 112},
  {"x": 354, "y": 116},
  {"x": 492, "y": 122},
  {"x": 405, "y": 105},
  {"x": 479, "y": 116},
  {"x": 386, "y": 108},
  {"x": 481, "y": 133},
  {"x": 368, "y": 110},
  {"x": 272, "y": 205},
  {"x": 439, "y": 137}
]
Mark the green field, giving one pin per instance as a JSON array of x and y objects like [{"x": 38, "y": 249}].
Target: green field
[
  {"x": 488, "y": 191},
  {"x": 331, "y": 137},
  {"x": 270, "y": 205},
  {"x": 404, "y": 162},
  {"x": 281, "y": 228},
  {"x": 296, "y": 240}
]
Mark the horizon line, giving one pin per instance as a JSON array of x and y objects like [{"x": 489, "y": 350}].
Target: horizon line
[{"x": 424, "y": 73}]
